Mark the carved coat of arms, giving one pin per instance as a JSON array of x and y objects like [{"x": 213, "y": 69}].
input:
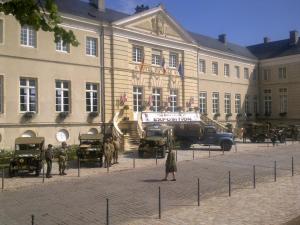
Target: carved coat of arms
[{"x": 158, "y": 25}]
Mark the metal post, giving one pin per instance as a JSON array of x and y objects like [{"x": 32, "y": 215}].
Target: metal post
[
  {"x": 235, "y": 147},
  {"x": 156, "y": 156},
  {"x": 209, "y": 151},
  {"x": 2, "y": 178},
  {"x": 229, "y": 183},
  {"x": 198, "y": 192},
  {"x": 254, "y": 177},
  {"x": 176, "y": 155},
  {"x": 78, "y": 167},
  {"x": 222, "y": 151},
  {"x": 133, "y": 161},
  {"x": 43, "y": 172},
  {"x": 107, "y": 167},
  {"x": 159, "y": 203},
  {"x": 193, "y": 154},
  {"x": 292, "y": 166},
  {"x": 107, "y": 211},
  {"x": 275, "y": 175},
  {"x": 32, "y": 219}
]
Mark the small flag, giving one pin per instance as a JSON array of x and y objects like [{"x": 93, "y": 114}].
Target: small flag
[
  {"x": 142, "y": 65},
  {"x": 150, "y": 100},
  {"x": 125, "y": 97},
  {"x": 163, "y": 65},
  {"x": 181, "y": 70}
]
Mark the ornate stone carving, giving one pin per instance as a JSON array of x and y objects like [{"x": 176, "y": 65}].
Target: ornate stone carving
[{"x": 158, "y": 25}]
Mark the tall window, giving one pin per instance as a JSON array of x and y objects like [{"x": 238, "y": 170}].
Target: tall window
[
  {"x": 173, "y": 60},
  {"x": 137, "y": 98},
  {"x": 255, "y": 105},
  {"x": 203, "y": 102},
  {"x": 227, "y": 103},
  {"x": 1, "y": 31},
  {"x": 156, "y": 57},
  {"x": 226, "y": 70},
  {"x": 91, "y": 46},
  {"x": 282, "y": 73},
  {"x": 247, "y": 105},
  {"x": 268, "y": 101},
  {"x": 28, "y": 95},
  {"x": 237, "y": 103},
  {"x": 28, "y": 36},
  {"x": 254, "y": 74},
  {"x": 1, "y": 95},
  {"x": 246, "y": 73},
  {"x": 267, "y": 74},
  {"x": 237, "y": 71},
  {"x": 215, "y": 102},
  {"x": 91, "y": 96},
  {"x": 137, "y": 54},
  {"x": 62, "y": 47},
  {"x": 62, "y": 90},
  {"x": 173, "y": 100},
  {"x": 156, "y": 99},
  {"x": 283, "y": 98},
  {"x": 202, "y": 67},
  {"x": 215, "y": 68}
]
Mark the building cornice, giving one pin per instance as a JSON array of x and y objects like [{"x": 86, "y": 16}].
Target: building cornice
[{"x": 280, "y": 60}]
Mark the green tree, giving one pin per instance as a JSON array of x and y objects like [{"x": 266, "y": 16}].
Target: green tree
[{"x": 40, "y": 14}]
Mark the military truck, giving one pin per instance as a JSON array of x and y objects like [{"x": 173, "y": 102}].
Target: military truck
[
  {"x": 91, "y": 148},
  {"x": 158, "y": 139},
  {"x": 28, "y": 155},
  {"x": 257, "y": 132},
  {"x": 188, "y": 134}
]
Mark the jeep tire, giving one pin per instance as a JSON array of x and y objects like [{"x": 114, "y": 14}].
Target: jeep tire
[{"x": 226, "y": 146}]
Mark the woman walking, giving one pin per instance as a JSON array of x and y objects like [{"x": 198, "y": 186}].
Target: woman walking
[{"x": 170, "y": 165}]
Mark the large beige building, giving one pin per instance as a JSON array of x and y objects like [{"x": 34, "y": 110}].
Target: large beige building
[{"x": 146, "y": 61}]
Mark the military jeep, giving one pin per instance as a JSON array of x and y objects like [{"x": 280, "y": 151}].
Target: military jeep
[
  {"x": 91, "y": 148},
  {"x": 28, "y": 155},
  {"x": 158, "y": 139},
  {"x": 257, "y": 132}
]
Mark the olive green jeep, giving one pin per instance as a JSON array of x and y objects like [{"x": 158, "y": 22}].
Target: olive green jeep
[
  {"x": 90, "y": 148},
  {"x": 158, "y": 139},
  {"x": 28, "y": 155}
]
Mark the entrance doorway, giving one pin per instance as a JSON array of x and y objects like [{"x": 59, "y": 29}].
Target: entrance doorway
[{"x": 137, "y": 101}]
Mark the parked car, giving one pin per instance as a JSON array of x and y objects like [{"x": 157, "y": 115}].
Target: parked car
[{"x": 28, "y": 155}]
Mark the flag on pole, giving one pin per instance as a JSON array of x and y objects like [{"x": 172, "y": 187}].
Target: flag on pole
[
  {"x": 181, "y": 70},
  {"x": 142, "y": 64},
  {"x": 163, "y": 65}
]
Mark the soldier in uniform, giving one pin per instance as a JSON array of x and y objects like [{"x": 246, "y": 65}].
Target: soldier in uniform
[
  {"x": 171, "y": 166},
  {"x": 62, "y": 158},
  {"x": 107, "y": 153},
  {"x": 116, "y": 150},
  {"x": 49, "y": 158}
]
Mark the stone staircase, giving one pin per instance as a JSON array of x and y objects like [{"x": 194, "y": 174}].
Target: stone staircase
[{"x": 131, "y": 135}]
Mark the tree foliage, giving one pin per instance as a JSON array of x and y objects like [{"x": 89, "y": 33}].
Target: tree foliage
[
  {"x": 141, "y": 8},
  {"x": 40, "y": 14}
]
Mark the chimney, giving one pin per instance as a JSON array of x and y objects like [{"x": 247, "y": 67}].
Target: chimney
[
  {"x": 294, "y": 37},
  {"x": 266, "y": 40},
  {"x": 222, "y": 38},
  {"x": 99, "y": 4}
]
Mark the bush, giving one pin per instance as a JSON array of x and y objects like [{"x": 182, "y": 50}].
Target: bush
[
  {"x": 72, "y": 153},
  {"x": 5, "y": 157}
]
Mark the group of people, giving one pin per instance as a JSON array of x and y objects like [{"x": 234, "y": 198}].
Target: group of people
[{"x": 111, "y": 151}]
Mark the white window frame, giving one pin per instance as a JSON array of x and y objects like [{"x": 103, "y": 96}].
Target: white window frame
[
  {"x": 173, "y": 100},
  {"x": 27, "y": 87},
  {"x": 268, "y": 101},
  {"x": 214, "y": 68},
  {"x": 203, "y": 102},
  {"x": 237, "y": 72},
  {"x": 237, "y": 103},
  {"x": 215, "y": 102},
  {"x": 173, "y": 60},
  {"x": 2, "y": 29},
  {"x": 91, "y": 46},
  {"x": 28, "y": 36},
  {"x": 282, "y": 73},
  {"x": 226, "y": 70},
  {"x": 246, "y": 73},
  {"x": 247, "y": 104},
  {"x": 137, "y": 54},
  {"x": 255, "y": 105},
  {"x": 1, "y": 94},
  {"x": 202, "y": 66},
  {"x": 156, "y": 57},
  {"x": 267, "y": 74},
  {"x": 61, "y": 89},
  {"x": 227, "y": 103},
  {"x": 62, "y": 47},
  {"x": 156, "y": 99},
  {"x": 283, "y": 100},
  {"x": 138, "y": 92},
  {"x": 89, "y": 98}
]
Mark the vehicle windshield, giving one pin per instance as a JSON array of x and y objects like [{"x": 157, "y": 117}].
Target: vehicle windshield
[
  {"x": 154, "y": 133},
  {"x": 26, "y": 147},
  {"x": 90, "y": 142}
]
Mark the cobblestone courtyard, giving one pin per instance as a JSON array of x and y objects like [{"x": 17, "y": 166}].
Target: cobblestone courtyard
[{"x": 133, "y": 193}]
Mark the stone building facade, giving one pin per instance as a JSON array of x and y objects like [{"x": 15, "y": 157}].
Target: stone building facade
[{"x": 146, "y": 61}]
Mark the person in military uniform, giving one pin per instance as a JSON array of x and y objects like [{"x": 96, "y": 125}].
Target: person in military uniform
[
  {"x": 116, "y": 150},
  {"x": 107, "y": 153},
  {"x": 49, "y": 158},
  {"x": 171, "y": 166},
  {"x": 273, "y": 136},
  {"x": 62, "y": 158}
]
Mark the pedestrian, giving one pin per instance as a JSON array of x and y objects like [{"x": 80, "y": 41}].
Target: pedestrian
[
  {"x": 107, "y": 153},
  {"x": 244, "y": 133},
  {"x": 273, "y": 137},
  {"x": 116, "y": 150},
  {"x": 49, "y": 158},
  {"x": 171, "y": 166},
  {"x": 62, "y": 158},
  {"x": 112, "y": 150}
]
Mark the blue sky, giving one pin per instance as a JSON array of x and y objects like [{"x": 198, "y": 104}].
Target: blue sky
[{"x": 245, "y": 22}]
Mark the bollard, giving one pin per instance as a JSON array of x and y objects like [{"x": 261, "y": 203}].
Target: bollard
[
  {"x": 133, "y": 161},
  {"x": 107, "y": 211},
  {"x": 229, "y": 184},
  {"x": 222, "y": 151},
  {"x": 275, "y": 174},
  {"x": 193, "y": 154},
  {"x": 176, "y": 155},
  {"x": 198, "y": 192},
  {"x": 292, "y": 166},
  {"x": 43, "y": 172},
  {"x": 32, "y": 219},
  {"x": 159, "y": 203},
  {"x": 254, "y": 178},
  {"x": 209, "y": 151},
  {"x": 107, "y": 167},
  {"x": 156, "y": 157},
  {"x": 78, "y": 163},
  {"x": 235, "y": 147},
  {"x": 2, "y": 178}
]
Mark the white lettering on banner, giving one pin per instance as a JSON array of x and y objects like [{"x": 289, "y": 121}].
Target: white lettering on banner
[{"x": 152, "y": 117}]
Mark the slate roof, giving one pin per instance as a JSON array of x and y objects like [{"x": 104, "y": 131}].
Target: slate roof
[
  {"x": 213, "y": 43},
  {"x": 275, "y": 49}
]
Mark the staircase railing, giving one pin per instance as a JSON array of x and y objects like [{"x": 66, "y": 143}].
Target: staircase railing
[
  {"x": 116, "y": 130},
  {"x": 220, "y": 127},
  {"x": 140, "y": 128}
]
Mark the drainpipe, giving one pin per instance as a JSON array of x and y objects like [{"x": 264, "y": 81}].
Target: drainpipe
[{"x": 102, "y": 81}]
